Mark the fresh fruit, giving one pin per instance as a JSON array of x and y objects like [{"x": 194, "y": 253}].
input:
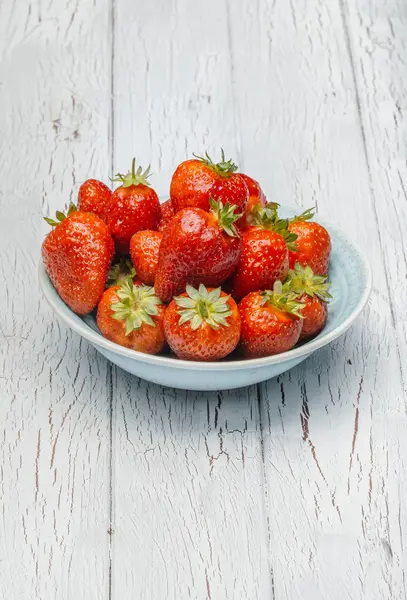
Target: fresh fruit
[
  {"x": 134, "y": 206},
  {"x": 256, "y": 198},
  {"x": 264, "y": 256},
  {"x": 312, "y": 292},
  {"x": 144, "y": 248},
  {"x": 217, "y": 229},
  {"x": 77, "y": 254},
  {"x": 119, "y": 271},
  {"x": 197, "y": 247},
  {"x": 202, "y": 324},
  {"x": 196, "y": 181},
  {"x": 271, "y": 322},
  {"x": 167, "y": 212},
  {"x": 94, "y": 197},
  {"x": 133, "y": 316},
  {"x": 313, "y": 243}
]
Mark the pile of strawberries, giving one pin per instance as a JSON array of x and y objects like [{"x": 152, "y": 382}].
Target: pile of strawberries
[{"x": 154, "y": 272}]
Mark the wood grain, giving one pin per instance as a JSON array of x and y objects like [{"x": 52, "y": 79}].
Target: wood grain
[
  {"x": 188, "y": 481},
  {"x": 113, "y": 488},
  {"x": 189, "y": 512},
  {"x": 54, "y": 411},
  {"x": 334, "y": 427}
]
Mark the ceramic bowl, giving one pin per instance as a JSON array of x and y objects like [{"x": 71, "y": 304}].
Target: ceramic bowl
[{"x": 351, "y": 283}]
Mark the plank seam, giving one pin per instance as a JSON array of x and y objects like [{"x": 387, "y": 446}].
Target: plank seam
[
  {"x": 112, "y": 86},
  {"x": 344, "y": 15},
  {"x": 111, "y": 143},
  {"x": 110, "y": 530},
  {"x": 236, "y": 118},
  {"x": 265, "y": 492}
]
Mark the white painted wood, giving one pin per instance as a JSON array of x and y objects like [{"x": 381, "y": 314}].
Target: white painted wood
[
  {"x": 189, "y": 509},
  {"x": 188, "y": 504},
  {"x": 309, "y": 96},
  {"x": 334, "y": 427},
  {"x": 173, "y": 84},
  {"x": 55, "y": 389},
  {"x": 378, "y": 43}
]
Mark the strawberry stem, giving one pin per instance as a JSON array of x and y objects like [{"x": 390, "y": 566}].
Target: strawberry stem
[
  {"x": 307, "y": 215},
  {"x": 133, "y": 177},
  {"x": 200, "y": 306},
  {"x": 225, "y": 215},
  {"x": 224, "y": 168},
  {"x": 303, "y": 281},
  {"x": 60, "y": 216},
  {"x": 266, "y": 217},
  {"x": 119, "y": 271},
  {"x": 137, "y": 305},
  {"x": 282, "y": 298}
]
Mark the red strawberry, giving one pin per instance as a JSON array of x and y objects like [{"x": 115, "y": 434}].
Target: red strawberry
[
  {"x": 144, "y": 248},
  {"x": 202, "y": 324},
  {"x": 256, "y": 198},
  {"x": 77, "y": 255},
  {"x": 94, "y": 197},
  {"x": 131, "y": 315},
  {"x": 197, "y": 247},
  {"x": 264, "y": 257},
  {"x": 119, "y": 271},
  {"x": 313, "y": 243},
  {"x": 271, "y": 322},
  {"x": 196, "y": 181},
  {"x": 312, "y": 292},
  {"x": 134, "y": 206},
  {"x": 315, "y": 313},
  {"x": 167, "y": 212}
]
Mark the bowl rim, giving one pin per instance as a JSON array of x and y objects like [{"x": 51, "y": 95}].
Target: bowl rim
[{"x": 71, "y": 319}]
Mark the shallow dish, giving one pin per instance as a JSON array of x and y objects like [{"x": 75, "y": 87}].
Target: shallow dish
[{"x": 351, "y": 283}]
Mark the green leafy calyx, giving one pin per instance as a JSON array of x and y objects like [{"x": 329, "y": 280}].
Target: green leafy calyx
[
  {"x": 224, "y": 168},
  {"x": 201, "y": 306},
  {"x": 303, "y": 281},
  {"x": 307, "y": 215},
  {"x": 119, "y": 271},
  {"x": 226, "y": 216},
  {"x": 283, "y": 298},
  {"x": 60, "y": 216},
  {"x": 137, "y": 305},
  {"x": 133, "y": 177},
  {"x": 267, "y": 217}
]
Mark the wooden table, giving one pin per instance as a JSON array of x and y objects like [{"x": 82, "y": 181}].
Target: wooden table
[{"x": 112, "y": 488}]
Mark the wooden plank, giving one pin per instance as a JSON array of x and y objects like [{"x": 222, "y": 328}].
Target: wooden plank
[
  {"x": 188, "y": 506},
  {"x": 189, "y": 512},
  {"x": 55, "y": 405},
  {"x": 334, "y": 427},
  {"x": 378, "y": 45}
]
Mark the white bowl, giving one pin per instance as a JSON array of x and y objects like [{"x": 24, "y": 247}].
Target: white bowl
[{"x": 351, "y": 284}]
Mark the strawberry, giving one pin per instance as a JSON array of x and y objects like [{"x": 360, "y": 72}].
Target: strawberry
[
  {"x": 256, "y": 197},
  {"x": 202, "y": 324},
  {"x": 134, "y": 206},
  {"x": 77, "y": 254},
  {"x": 264, "y": 256},
  {"x": 119, "y": 271},
  {"x": 94, "y": 197},
  {"x": 313, "y": 243},
  {"x": 131, "y": 315},
  {"x": 167, "y": 212},
  {"x": 312, "y": 292},
  {"x": 271, "y": 322},
  {"x": 196, "y": 181},
  {"x": 144, "y": 248},
  {"x": 197, "y": 247}
]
